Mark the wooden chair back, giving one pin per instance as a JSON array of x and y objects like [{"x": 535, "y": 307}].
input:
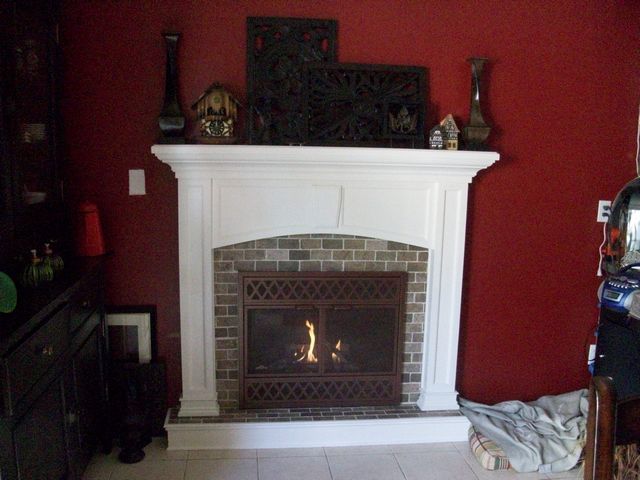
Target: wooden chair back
[{"x": 601, "y": 430}]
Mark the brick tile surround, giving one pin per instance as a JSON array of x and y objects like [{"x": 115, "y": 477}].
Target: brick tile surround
[{"x": 315, "y": 252}]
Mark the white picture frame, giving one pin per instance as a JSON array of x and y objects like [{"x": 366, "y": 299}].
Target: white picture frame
[{"x": 142, "y": 321}]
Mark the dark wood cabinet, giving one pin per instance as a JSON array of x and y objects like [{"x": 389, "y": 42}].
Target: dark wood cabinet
[
  {"x": 39, "y": 438},
  {"x": 618, "y": 352},
  {"x": 30, "y": 181},
  {"x": 87, "y": 393},
  {"x": 52, "y": 378}
]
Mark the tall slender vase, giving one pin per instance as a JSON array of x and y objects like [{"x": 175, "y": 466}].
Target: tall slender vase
[
  {"x": 171, "y": 120},
  {"x": 476, "y": 133}
]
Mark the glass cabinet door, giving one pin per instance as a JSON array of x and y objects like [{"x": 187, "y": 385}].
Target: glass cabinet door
[
  {"x": 33, "y": 137},
  {"x": 30, "y": 190}
]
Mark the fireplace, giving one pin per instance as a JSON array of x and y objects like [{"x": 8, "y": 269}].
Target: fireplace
[
  {"x": 321, "y": 338},
  {"x": 233, "y": 194}
]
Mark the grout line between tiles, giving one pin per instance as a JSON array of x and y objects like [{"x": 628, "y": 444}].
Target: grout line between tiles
[{"x": 399, "y": 466}]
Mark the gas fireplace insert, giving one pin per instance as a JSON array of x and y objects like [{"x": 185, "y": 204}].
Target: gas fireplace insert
[{"x": 320, "y": 338}]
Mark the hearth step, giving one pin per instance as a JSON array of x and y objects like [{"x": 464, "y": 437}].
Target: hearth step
[
  {"x": 314, "y": 427},
  {"x": 311, "y": 414}
]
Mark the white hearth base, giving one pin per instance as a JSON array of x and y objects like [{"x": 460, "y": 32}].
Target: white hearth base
[{"x": 338, "y": 433}]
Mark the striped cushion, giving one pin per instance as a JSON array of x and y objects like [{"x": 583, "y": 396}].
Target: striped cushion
[{"x": 488, "y": 453}]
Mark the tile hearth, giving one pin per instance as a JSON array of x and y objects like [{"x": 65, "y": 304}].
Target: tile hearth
[{"x": 310, "y": 414}]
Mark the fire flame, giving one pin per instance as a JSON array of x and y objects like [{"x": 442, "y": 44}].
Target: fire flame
[
  {"x": 336, "y": 358},
  {"x": 310, "y": 356}
]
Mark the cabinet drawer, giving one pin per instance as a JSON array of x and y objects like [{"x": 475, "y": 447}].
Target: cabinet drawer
[
  {"x": 34, "y": 357},
  {"x": 84, "y": 303}
]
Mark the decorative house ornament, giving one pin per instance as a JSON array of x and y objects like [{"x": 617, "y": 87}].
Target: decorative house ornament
[
  {"x": 171, "y": 120},
  {"x": 217, "y": 112},
  {"x": 352, "y": 104},
  {"x": 277, "y": 49},
  {"x": 451, "y": 132},
  {"x": 436, "y": 138},
  {"x": 476, "y": 133}
]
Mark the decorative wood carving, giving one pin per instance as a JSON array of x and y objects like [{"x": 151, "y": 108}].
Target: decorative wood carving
[
  {"x": 277, "y": 49},
  {"x": 358, "y": 104}
]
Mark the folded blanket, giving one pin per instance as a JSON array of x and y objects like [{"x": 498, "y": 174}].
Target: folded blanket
[{"x": 546, "y": 435}]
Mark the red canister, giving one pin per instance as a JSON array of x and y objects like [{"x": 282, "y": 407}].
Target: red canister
[{"x": 89, "y": 239}]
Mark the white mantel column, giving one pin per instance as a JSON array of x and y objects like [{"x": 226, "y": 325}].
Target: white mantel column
[
  {"x": 199, "y": 394},
  {"x": 444, "y": 284}
]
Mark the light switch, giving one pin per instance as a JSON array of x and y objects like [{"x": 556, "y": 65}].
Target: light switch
[{"x": 136, "y": 182}]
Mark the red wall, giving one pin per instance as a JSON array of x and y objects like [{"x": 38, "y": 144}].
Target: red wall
[{"x": 562, "y": 93}]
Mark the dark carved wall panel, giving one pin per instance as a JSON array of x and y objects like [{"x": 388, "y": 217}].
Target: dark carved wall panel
[
  {"x": 277, "y": 49},
  {"x": 379, "y": 105}
]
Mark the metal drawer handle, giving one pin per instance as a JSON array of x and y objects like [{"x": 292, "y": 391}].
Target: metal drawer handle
[{"x": 47, "y": 351}]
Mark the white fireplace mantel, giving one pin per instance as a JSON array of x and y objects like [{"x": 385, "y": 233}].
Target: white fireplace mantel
[{"x": 234, "y": 193}]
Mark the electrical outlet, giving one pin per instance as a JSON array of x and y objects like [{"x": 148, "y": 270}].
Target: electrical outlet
[{"x": 604, "y": 209}]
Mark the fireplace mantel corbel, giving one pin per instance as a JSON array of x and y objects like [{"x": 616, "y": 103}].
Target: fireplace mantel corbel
[{"x": 235, "y": 193}]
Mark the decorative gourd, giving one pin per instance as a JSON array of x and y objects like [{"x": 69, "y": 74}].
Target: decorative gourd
[
  {"x": 8, "y": 294},
  {"x": 55, "y": 260},
  {"x": 31, "y": 275},
  {"x": 46, "y": 269}
]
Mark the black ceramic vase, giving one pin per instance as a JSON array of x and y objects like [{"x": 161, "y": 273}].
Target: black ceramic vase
[
  {"x": 476, "y": 133},
  {"x": 171, "y": 120}
]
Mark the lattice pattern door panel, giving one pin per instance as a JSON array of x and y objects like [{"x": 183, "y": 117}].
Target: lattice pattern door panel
[
  {"x": 364, "y": 391},
  {"x": 335, "y": 289}
]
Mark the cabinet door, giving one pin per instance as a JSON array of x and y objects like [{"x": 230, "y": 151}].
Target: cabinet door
[
  {"x": 89, "y": 401},
  {"x": 40, "y": 439}
]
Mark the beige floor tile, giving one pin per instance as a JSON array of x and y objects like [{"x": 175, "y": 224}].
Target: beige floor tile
[
  {"x": 100, "y": 468},
  {"x": 423, "y": 447},
  {"x": 365, "y": 467},
  {"x": 222, "y": 469},
  {"x": 293, "y": 468},
  {"x": 157, "y": 450},
  {"x": 290, "y": 452},
  {"x": 358, "y": 450},
  {"x": 434, "y": 466},
  {"x": 213, "y": 454},
  {"x": 151, "y": 470}
]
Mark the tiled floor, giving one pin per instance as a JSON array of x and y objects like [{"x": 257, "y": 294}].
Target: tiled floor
[{"x": 435, "y": 461}]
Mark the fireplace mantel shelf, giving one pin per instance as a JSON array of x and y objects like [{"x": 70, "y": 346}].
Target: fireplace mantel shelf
[
  {"x": 229, "y": 194},
  {"x": 183, "y": 158}
]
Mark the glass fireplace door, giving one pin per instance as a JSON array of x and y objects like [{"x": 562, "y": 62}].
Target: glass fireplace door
[
  {"x": 283, "y": 340},
  {"x": 360, "y": 339}
]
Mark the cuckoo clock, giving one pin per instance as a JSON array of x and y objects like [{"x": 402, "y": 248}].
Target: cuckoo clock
[{"x": 217, "y": 113}]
